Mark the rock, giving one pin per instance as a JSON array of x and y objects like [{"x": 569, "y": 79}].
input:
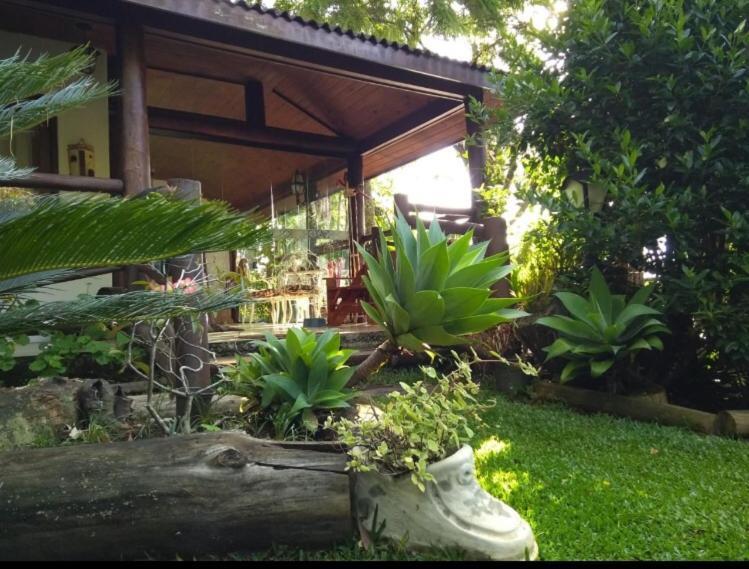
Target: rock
[{"x": 454, "y": 512}]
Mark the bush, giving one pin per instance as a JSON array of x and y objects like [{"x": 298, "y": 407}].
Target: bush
[{"x": 648, "y": 97}]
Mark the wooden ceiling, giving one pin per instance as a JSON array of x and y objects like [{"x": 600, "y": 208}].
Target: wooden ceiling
[{"x": 390, "y": 124}]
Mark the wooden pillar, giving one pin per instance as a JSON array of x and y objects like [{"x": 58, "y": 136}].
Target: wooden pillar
[
  {"x": 135, "y": 158},
  {"x": 191, "y": 335},
  {"x": 355, "y": 177},
  {"x": 476, "y": 152},
  {"x": 494, "y": 229}
]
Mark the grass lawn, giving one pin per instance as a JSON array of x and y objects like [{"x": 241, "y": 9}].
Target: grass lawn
[{"x": 597, "y": 487}]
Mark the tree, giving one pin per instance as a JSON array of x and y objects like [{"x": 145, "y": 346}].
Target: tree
[
  {"x": 650, "y": 98},
  {"x": 405, "y": 21}
]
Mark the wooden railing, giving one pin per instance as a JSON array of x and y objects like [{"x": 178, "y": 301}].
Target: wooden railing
[{"x": 58, "y": 182}]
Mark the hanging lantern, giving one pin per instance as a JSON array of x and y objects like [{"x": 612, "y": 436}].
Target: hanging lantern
[
  {"x": 298, "y": 187},
  {"x": 584, "y": 193}
]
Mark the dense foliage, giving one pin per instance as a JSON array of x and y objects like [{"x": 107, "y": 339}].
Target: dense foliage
[
  {"x": 603, "y": 329},
  {"x": 650, "y": 98},
  {"x": 434, "y": 293},
  {"x": 299, "y": 376},
  {"x": 414, "y": 428}
]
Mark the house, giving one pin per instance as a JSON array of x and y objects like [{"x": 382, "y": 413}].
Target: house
[{"x": 240, "y": 98}]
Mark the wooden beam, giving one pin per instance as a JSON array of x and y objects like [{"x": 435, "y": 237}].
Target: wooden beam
[
  {"x": 135, "y": 156},
  {"x": 475, "y": 147},
  {"x": 254, "y": 104},
  {"x": 428, "y": 115},
  {"x": 168, "y": 122},
  {"x": 58, "y": 182},
  {"x": 355, "y": 178},
  {"x": 302, "y": 109}
]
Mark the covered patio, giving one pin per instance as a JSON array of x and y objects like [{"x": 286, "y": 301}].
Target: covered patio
[{"x": 267, "y": 111}]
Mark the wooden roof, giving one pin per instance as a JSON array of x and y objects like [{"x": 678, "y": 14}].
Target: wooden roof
[{"x": 347, "y": 93}]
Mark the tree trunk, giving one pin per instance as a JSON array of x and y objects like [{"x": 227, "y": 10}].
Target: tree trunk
[
  {"x": 632, "y": 407},
  {"x": 733, "y": 423},
  {"x": 187, "y": 495},
  {"x": 374, "y": 361}
]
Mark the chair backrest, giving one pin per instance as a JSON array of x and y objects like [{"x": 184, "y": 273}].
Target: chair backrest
[{"x": 452, "y": 220}]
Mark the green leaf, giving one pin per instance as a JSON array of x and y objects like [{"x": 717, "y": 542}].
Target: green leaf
[
  {"x": 473, "y": 324},
  {"x": 310, "y": 421},
  {"x": 425, "y": 309},
  {"x": 433, "y": 267},
  {"x": 632, "y": 311},
  {"x": 571, "y": 370},
  {"x": 463, "y": 301},
  {"x": 598, "y": 368},
  {"x": 573, "y": 328},
  {"x": 400, "y": 319},
  {"x": 576, "y": 305},
  {"x": 437, "y": 336},
  {"x": 557, "y": 348}
]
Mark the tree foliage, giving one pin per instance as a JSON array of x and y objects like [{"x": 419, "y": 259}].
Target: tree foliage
[
  {"x": 403, "y": 21},
  {"x": 651, "y": 98}
]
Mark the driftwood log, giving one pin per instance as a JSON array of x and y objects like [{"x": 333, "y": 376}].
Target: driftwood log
[
  {"x": 733, "y": 423},
  {"x": 186, "y": 496},
  {"x": 633, "y": 407}
]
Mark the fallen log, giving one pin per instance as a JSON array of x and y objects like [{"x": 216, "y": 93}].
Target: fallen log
[
  {"x": 733, "y": 423},
  {"x": 637, "y": 408},
  {"x": 185, "y": 495},
  {"x": 167, "y": 406}
]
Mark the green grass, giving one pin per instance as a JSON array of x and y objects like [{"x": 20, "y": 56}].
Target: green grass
[
  {"x": 594, "y": 487},
  {"x": 597, "y": 487}
]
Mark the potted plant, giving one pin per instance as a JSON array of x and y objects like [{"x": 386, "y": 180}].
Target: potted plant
[{"x": 415, "y": 476}]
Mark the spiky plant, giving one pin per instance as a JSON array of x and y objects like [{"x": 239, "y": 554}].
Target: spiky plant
[{"x": 433, "y": 293}]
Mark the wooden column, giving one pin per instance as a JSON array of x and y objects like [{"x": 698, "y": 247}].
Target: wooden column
[
  {"x": 191, "y": 335},
  {"x": 355, "y": 176},
  {"x": 476, "y": 151},
  {"x": 135, "y": 159},
  {"x": 495, "y": 228}
]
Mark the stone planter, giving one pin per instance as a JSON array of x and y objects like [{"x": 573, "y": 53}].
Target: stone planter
[{"x": 454, "y": 512}]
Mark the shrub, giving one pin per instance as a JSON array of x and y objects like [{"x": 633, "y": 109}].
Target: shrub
[
  {"x": 299, "y": 376},
  {"x": 603, "y": 329}
]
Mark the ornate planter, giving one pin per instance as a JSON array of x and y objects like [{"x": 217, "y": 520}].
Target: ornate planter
[{"x": 454, "y": 512}]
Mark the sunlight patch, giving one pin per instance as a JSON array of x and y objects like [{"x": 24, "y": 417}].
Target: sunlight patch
[{"x": 492, "y": 446}]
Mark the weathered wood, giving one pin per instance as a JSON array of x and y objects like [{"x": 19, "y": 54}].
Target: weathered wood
[
  {"x": 186, "y": 495},
  {"x": 169, "y": 122},
  {"x": 494, "y": 230},
  {"x": 191, "y": 352},
  {"x": 57, "y": 182},
  {"x": 135, "y": 157},
  {"x": 632, "y": 407},
  {"x": 167, "y": 407},
  {"x": 355, "y": 177},
  {"x": 733, "y": 423}
]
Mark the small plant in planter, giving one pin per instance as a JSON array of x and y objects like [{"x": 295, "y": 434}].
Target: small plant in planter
[
  {"x": 415, "y": 472},
  {"x": 603, "y": 330},
  {"x": 299, "y": 376}
]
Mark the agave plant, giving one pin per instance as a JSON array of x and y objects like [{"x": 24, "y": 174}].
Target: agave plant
[
  {"x": 602, "y": 329},
  {"x": 434, "y": 293},
  {"x": 302, "y": 374}
]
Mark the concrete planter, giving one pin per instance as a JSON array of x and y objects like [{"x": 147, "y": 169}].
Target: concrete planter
[{"x": 454, "y": 512}]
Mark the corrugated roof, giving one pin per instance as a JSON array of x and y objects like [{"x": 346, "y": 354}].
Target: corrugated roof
[{"x": 354, "y": 36}]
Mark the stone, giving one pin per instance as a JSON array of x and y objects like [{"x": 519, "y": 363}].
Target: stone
[{"x": 453, "y": 512}]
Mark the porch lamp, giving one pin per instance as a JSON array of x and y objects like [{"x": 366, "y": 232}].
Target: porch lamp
[
  {"x": 584, "y": 193},
  {"x": 298, "y": 186}
]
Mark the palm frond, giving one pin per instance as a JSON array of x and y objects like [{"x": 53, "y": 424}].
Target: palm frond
[
  {"x": 120, "y": 308},
  {"x": 33, "y": 91},
  {"x": 93, "y": 232},
  {"x": 10, "y": 171}
]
